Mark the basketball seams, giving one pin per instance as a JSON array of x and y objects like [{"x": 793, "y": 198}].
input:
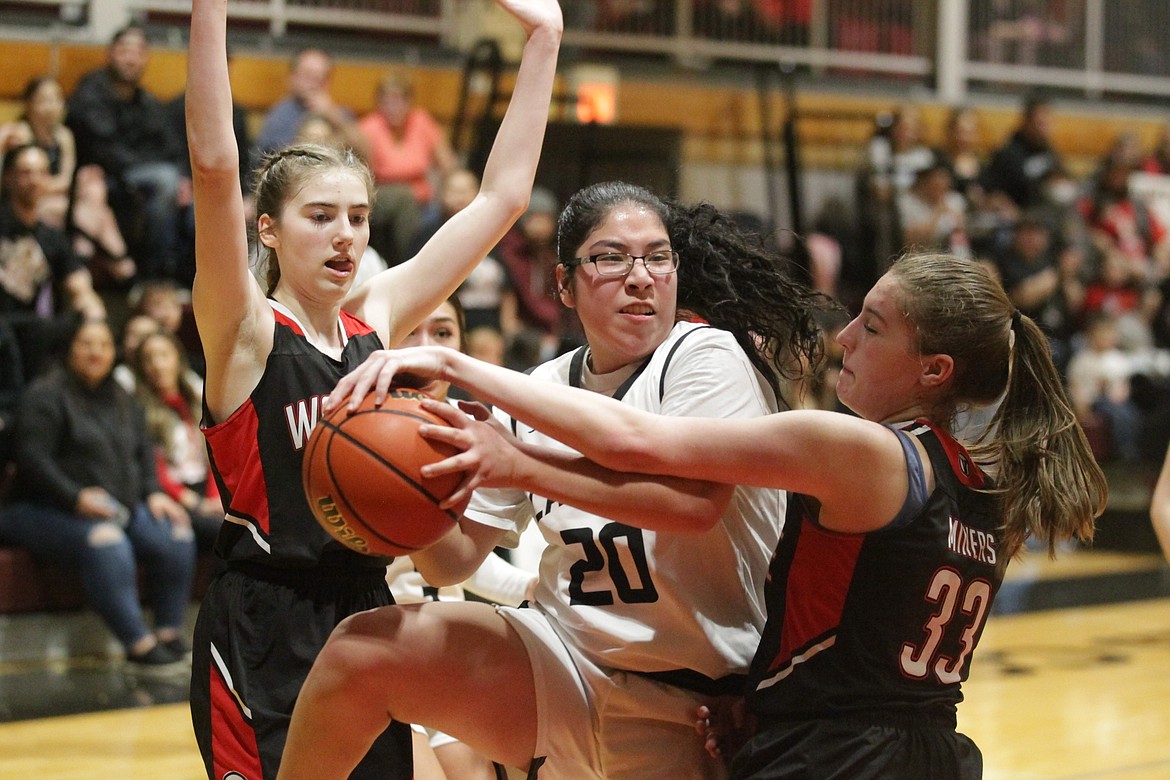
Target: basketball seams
[
  {"x": 343, "y": 476},
  {"x": 353, "y": 513},
  {"x": 382, "y": 461}
]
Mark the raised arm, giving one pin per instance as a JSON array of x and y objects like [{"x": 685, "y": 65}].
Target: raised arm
[
  {"x": 396, "y": 300},
  {"x": 235, "y": 322}
]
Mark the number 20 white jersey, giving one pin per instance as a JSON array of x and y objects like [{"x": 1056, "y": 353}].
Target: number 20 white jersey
[{"x": 651, "y": 601}]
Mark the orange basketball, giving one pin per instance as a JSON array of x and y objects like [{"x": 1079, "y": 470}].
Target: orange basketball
[{"x": 362, "y": 481}]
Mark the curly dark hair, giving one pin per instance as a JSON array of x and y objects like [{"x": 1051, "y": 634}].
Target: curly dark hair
[{"x": 732, "y": 280}]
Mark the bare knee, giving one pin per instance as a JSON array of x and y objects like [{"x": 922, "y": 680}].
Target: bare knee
[
  {"x": 105, "y": 535},
  {"x": 363, "y": 644}
]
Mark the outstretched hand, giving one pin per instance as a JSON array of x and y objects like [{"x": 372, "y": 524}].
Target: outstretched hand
[
  {"x": 534, "y": 13},
  {"x": 489, "y": 455},
  {"x": 379, "y": 372}
]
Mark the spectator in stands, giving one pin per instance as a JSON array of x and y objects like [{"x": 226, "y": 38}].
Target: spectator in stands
[
  {"x": 73, "y": 199},
  {"x": 1018, "y": 168},
  {"x": 309, "y": 79},
  {"x": 1119, "y": 290},
  {"x": 960, "y": 152},
  {"x": 41, "y": 122},
  {"x": 457, "y": 187},
  {"x": 488, "y": 298},
  {"x": 134, "y": 331},
  {"x": 1126, "y": 149},
  {"x": 932, "y": 213},
  {"x": 1044, "y": 281},
  {"x": 893, "y": 156},
  {"x": 95, "y": 232},
  {"x": 169, "y": 304},
  {"x": 486, "y": 295},
  {"x": 162, "y": 300},
  {"x": 43, "y": 284},
  {"x": 529, "y": 253},
  {"x": 86, "y": 496},
  {"x": 407, "y": 150},
  {"x": 1099, "y": 387},
  {"x": 172, "y": 397},
  {"x": 487, "y": 344},
  {"x": 123, "y": 128},
  {"x": 1118, "y": 221},
  {"x": 1060, "y": 208}
]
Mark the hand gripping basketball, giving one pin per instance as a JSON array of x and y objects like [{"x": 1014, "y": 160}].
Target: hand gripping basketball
[{"x": 362, "y": 480}]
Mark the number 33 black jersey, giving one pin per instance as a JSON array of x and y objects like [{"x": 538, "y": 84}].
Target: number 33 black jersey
[{"x": 881, "y": 624}]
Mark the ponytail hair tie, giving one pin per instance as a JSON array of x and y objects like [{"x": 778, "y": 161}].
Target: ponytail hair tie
[{"x": 1015, "y": 318}]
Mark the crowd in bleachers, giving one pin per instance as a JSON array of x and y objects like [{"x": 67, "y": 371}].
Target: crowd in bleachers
[
  {"x": 96, "y": 224},
  {"x": 95, "y": 213},
  {"x": 1087, "y": 256},
  {"x": 101, "y": 372}
]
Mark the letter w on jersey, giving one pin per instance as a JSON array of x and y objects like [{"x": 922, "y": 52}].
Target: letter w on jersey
[{"x": 301, "y": 417}]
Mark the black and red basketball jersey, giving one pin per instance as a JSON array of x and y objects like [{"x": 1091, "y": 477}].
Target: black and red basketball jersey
[
  {"x": 881, "y": 625},
  {"x": 256, "y": 453}
]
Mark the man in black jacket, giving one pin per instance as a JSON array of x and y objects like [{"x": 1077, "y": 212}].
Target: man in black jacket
[
  {"x": 1018, "y": 169},
  {"x": 123, "y": 128}
]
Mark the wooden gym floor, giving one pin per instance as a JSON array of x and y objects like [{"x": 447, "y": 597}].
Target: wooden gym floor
[{"x": 1070, "y": 682}]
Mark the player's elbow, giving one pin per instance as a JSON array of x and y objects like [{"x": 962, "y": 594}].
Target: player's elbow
[
  {"x": 211, "y": 164},
  {"x": 446, "y": 562}
]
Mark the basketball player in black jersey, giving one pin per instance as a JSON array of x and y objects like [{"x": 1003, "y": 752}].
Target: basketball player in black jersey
[
  {"x": 274, "y": 352},
  {"x": 897, "y": 536}
]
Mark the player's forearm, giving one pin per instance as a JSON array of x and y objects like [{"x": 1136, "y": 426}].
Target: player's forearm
[
  {"x": 457, "y": 555},
  {"x": 651, "y": 502},
  {"x": 605, "y": 430}
]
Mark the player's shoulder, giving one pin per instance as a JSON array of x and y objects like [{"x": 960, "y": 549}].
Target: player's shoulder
[
  {"x": 354, "y": 325},
  {"x": 559, "y": 369},
  {"x": 696, "y": 338}
]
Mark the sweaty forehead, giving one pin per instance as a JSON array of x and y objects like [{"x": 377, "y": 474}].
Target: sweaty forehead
[
  {"x": 335, "y": 186},
  {"x": 885, "y": 298},
  {"x": 628, "y": 224}
]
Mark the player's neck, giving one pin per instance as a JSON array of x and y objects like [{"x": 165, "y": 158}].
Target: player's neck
[{"x": 319, "y": 324}]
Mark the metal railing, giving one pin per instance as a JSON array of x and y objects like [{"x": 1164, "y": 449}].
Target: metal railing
[{"x": 1090, "y": 47}]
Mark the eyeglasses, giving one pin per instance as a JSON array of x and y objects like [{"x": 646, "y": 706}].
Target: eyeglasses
[{"x": 660, "y": 263}]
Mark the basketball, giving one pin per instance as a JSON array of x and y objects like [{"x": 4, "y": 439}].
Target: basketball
[{"x": 362, "y": 481}]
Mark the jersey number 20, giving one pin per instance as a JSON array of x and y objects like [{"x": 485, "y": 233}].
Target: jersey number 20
[{"x": 603, "y": 553}]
